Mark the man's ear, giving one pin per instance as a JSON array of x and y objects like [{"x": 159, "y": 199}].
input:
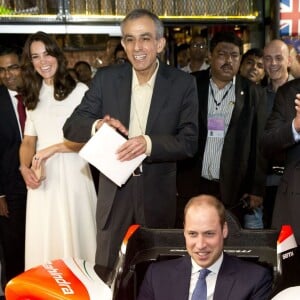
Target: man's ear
[
  {"x": 161, "y": 45},
  {"x": 123, "y": 44}
]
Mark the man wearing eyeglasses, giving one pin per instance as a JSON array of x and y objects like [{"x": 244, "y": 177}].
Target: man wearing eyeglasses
[
  {"x": 198, "y": 55},
  {"x": 12, "y": 187}
]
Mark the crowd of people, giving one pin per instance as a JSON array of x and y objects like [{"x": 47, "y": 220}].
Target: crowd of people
[{"x": 220, "y": 131}]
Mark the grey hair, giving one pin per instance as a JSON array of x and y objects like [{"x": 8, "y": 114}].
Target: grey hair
[{"x": 139, "y": 13}]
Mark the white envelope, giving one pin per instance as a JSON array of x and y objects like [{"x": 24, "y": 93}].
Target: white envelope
[{"x": 100, "y": 151}]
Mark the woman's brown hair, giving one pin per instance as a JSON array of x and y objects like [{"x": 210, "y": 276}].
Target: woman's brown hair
[{"x": 63, "y": 82}]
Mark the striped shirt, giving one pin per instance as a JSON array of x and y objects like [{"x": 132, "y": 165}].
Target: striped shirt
[{"x": 220, "y": 106}]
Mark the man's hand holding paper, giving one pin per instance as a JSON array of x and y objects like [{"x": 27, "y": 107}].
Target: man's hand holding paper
[
  {"x": 133, "y": 147},
  {"x": 112, "y": 154}
]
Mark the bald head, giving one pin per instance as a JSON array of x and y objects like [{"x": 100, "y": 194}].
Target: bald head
[
  {"x": 278, "y": 44},
  {"x": 277, "y": 60},
  {"x": 205, "y": 201}
]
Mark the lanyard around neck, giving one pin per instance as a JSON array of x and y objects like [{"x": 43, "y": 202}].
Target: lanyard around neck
[{"x": 224, "y": 96}]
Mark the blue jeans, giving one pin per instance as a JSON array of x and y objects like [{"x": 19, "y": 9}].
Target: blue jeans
[{"x": 254, "y": 220}]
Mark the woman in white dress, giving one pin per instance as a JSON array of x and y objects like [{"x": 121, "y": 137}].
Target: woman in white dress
[{"x": 60, "y": 219}]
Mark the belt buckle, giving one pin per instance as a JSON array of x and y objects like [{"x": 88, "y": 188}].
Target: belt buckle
[{"x": 137, "y": 172}]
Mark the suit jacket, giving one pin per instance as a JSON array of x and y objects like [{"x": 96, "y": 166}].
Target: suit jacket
[
  {"x": 242, "y": 168},
  {"x": 172, "y": 126},
  {"x": 237, "y": 280},
  {"x": 11, "y": 181},
  {"x": 277, "y": 139}
]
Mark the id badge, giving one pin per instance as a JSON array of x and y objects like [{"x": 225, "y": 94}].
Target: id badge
[{"x": 216, "y": 126}]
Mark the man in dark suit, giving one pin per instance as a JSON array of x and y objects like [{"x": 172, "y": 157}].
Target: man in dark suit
[
  {"x": 232, "y": 115},
  {"x": 12, "y": 187},
  {"x": 277, "y": 62},
  {"x": 158, "y": 105},
  {"x": 282, "y": 137},
  {"x": 229, "y": 278}
]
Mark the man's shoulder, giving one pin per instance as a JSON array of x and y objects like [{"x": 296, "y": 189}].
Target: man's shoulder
[
  {"x": 170, "y": 264},
  {"x": 242, "y": 265},
  {"x": 291, "y": 85},
  {"x": 3, "y": 89},
  {"x": 113, "y": 70},
  {"x": 171, "y": 71},
  {"x": 4, "y": 95}
]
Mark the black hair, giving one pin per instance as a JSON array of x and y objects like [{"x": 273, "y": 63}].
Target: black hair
[
  {"x": 82, "y": 62},
  {"x": 253, "y": 51},
  {"x": 6, "y": 50},
  {"x": 227, "y": 37},
  {"x": 63, "y": 82}
]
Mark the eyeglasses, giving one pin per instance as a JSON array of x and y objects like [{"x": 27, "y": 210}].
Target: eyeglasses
[
  {"x": 198, "y": 45},
  {"x": 10, "y": 69}
]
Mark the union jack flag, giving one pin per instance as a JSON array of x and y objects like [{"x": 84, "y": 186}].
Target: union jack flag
[{"x": 289, "y": 17}]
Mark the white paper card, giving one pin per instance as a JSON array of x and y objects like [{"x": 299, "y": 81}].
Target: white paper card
[{"x": 100, "y": 151}]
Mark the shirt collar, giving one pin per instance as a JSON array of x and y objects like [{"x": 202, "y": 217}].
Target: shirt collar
[
  {"x": 232, "y": 81},
  {"x": 12, "y": 93},
  {"x": 214, "y": 268},
  {"x": 150, "y": 82}
]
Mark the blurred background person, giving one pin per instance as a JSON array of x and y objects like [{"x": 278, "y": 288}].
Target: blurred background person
[
  {"x": 60, "y": 207},
  {"x": 107, "y": 58},
  {"x": 198, "y": 55},
  {"x": 182, "y": 55},
  {"x": 83, "y": 72},
  {"x": 13, "y": 190},
  {"x": 252, "y": 66},
  {"x": 120, "y": 55}
]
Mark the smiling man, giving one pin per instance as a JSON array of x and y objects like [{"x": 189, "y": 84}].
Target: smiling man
[
  {"x": 277, "y": 61},
  {"x": 156, "y": 106},
  {"x": 252, "y": 65},
  {"x": 228, "y": 278}
]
